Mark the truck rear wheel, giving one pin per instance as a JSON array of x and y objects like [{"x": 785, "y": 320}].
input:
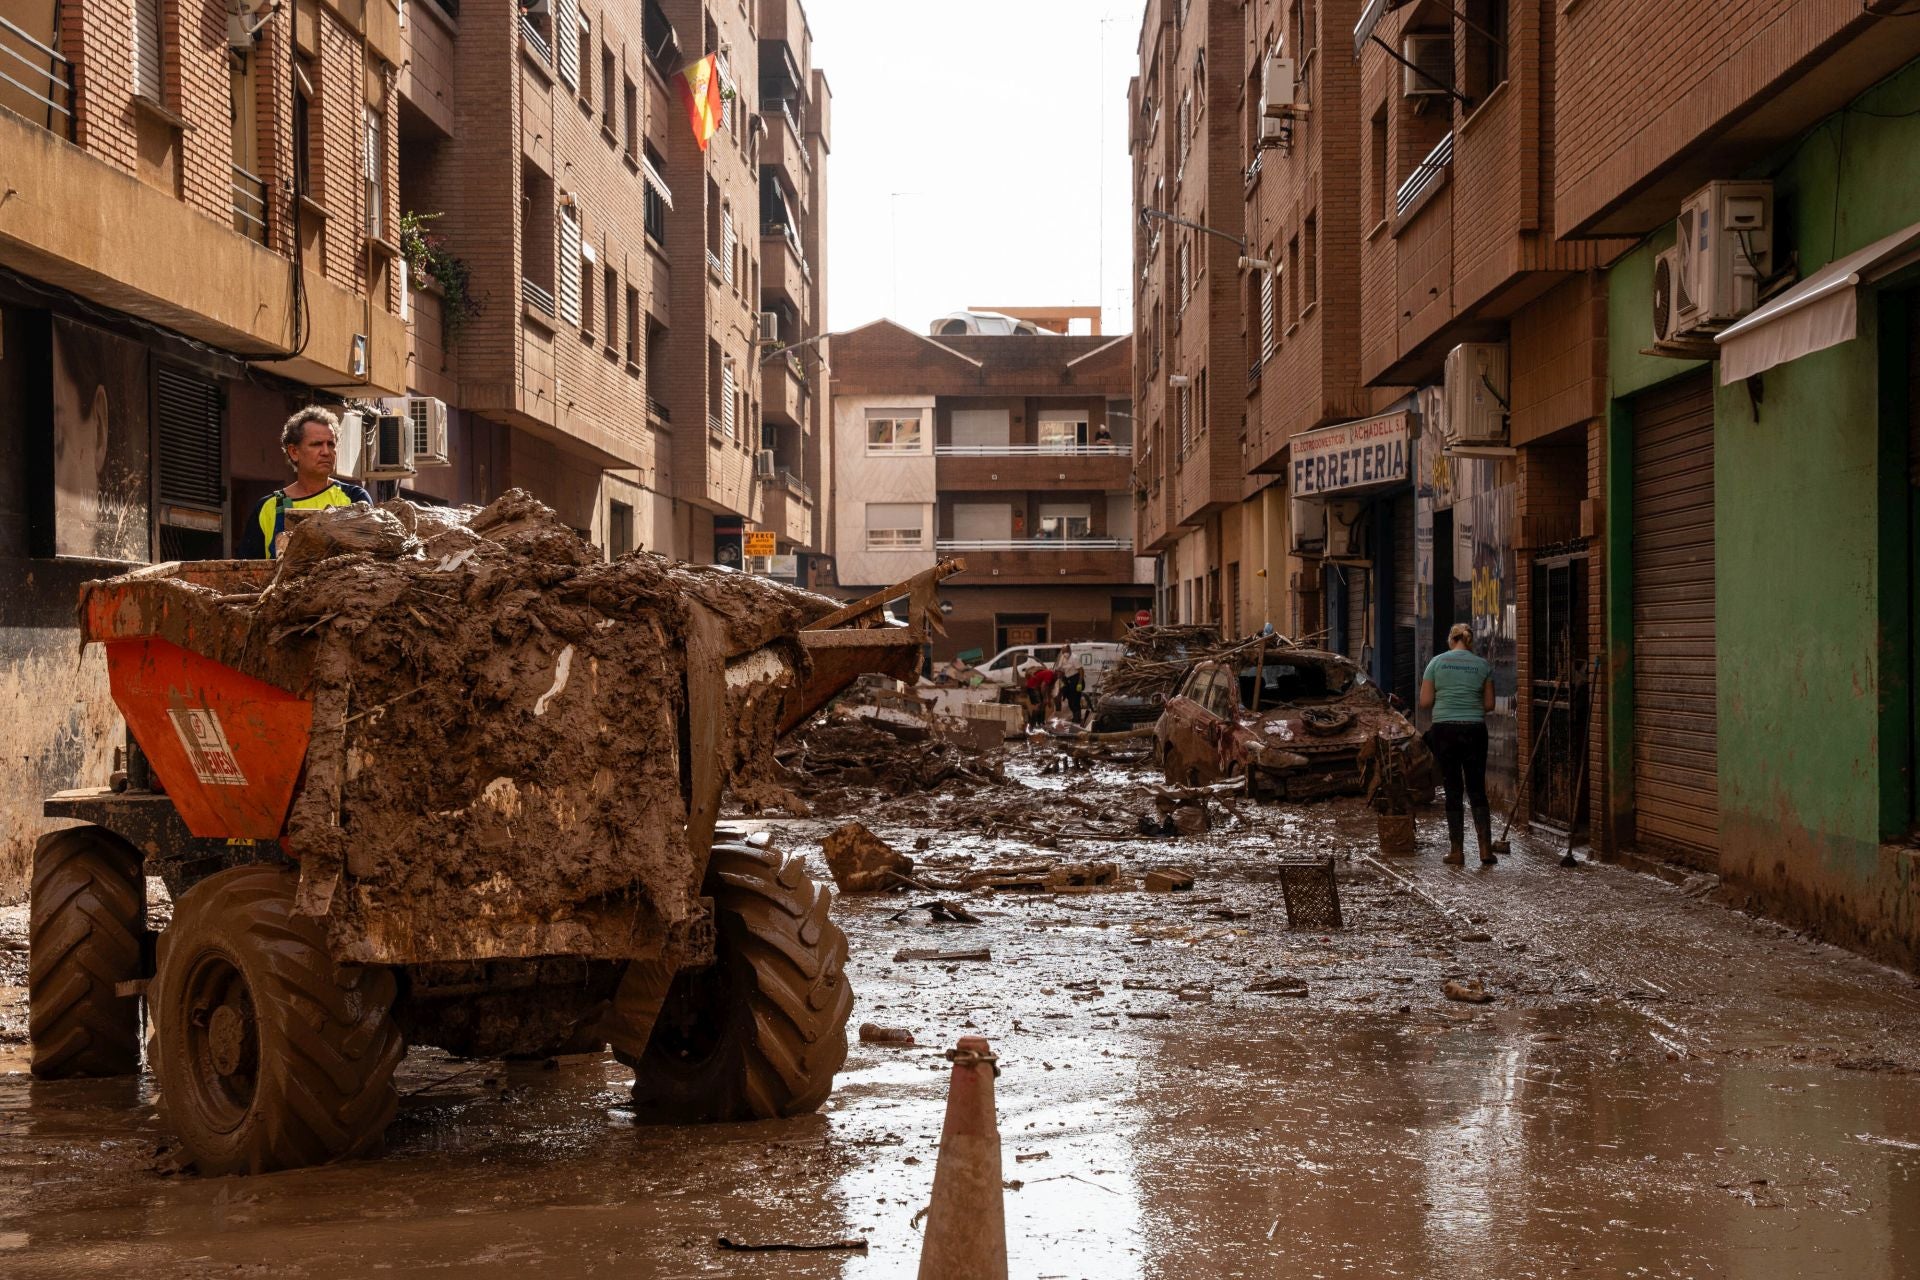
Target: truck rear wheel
[
  {"x": 270, "y": 1056},
  {"x": 760, "y": 1032},
  {"x": 88, "y": 913}
]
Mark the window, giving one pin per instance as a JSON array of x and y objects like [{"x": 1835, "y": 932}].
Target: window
[
  {"x": 303, "y": 125},
  {"x": 537, "y": 218},
  {"x": 1062, "y": 435},
  {"x": 149, "y": 55},
  {"x": 729, "y": 241},
  {"x": 1185, "y": 398},
  {"x": 893, "y": 431},
  {"x": 608, "y": 68},
  {"x": 1310, "y": 267},
  {"x": 1293, "y": 278},
  {"x": 583, "y": 58},
  {"x": 374, "y": 173},
  {"x": 630, "y": 96},
  {"x": 1186, "y": 272},
  {"x": 656, "y": 196},
  {"x": 612, "y": 287},
  {"x": 1485, "y": 22},
  {"x": 1377, "y": 168},
  {"x": 569, "y": 272},
  {"x": 1062, "y": 520},
  {"x": 1268, "y": 330},
  {"x": 588, "y": 283},
  {"x": 729, "y": 400},
  {"x": 635, "y": 334},
  {"x": 566, "y": 40},
  {"x": 1276, "y": 302},
  {"x": 896, "y": 526},
  {"x": 619, "y": 529}
]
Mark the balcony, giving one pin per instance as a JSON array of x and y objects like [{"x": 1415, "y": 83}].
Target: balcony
[
  {"x": 783, "y": 149},
  {"x": 1426, "y": 176},
  {"x": 783, "y": 390},
  {"x": 35, "y": 82},
  {"x": 988, "y": 468},
  {"x": 784, "y": 271},
  {"x": 536, "y": 41},
  {"x": 786, "y": 507},
  {"x": 536, "y": 297},
  {"x": 1011, "y": 561},
  {"x": 716, "y": 269},
  {"x": 658, "y": 289},
  {"x": 249, "y": 205}
]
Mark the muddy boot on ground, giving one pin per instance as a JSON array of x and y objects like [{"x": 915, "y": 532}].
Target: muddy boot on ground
[
  {"x": 1483, "y": 832},
  {"x": 1456, "y": 839}
]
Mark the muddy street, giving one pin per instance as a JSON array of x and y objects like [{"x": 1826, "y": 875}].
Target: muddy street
[{"x": 1188, "y": 1089}]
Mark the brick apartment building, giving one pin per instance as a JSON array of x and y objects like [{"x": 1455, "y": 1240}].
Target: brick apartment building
[
  {"x": 1011, "y": 450},
  {"x": 1459, "y": 228},
  {"x": 197, "y": 237},
  {"x": 617, "y": 365}
]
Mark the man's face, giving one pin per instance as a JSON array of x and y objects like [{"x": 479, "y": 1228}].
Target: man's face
[{"x": 314, "y": 455}]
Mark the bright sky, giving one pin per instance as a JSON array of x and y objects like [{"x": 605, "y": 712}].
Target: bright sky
[{"x": 979, "y": 155}]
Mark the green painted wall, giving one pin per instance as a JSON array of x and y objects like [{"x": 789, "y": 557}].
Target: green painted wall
[{"x": 1813, "y": 565}]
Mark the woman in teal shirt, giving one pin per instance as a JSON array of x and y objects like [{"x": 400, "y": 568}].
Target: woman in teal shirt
[{"x": 1458, "y": 688}]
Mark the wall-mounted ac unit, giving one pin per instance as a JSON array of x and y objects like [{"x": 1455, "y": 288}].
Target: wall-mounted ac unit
[
  {"x": 427, "y": 431},
  {"x": 769, "y": 326},
  {"x": 1430, "y": 73},
  {"x": 1308, "y": 527},
  {"x": 353, "y": 441},
  {"x": 763, "y": 465},
  {"x": 1723, "y": 241},
  {"x": 1667, "y": 297},
  {"x": 1346, "y": 531},
  {"x": 1280, "y": 89},
  {"x": 1273, "y": 129},
  {"x": 1478, "y": 390},
  {"x": 386, "y": 455}
]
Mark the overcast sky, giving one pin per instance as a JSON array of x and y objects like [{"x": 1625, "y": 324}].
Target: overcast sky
[{"x": 977, "y": 130}]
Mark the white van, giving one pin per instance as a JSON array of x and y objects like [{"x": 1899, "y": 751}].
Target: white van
[{"x": 1097, "y": 657}]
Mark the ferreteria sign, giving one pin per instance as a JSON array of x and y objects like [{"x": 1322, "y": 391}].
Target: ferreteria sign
[{"x": 1371, "y": 453}]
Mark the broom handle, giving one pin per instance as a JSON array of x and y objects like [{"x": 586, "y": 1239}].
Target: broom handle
[
  {"x": 1586, "y": 749},
  {"x": 1527, "y": 775}
]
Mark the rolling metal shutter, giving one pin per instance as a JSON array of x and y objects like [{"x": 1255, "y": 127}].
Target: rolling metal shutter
[
  {"x": 1675, "y": 717},
  {"x": 192, "y": 457}
]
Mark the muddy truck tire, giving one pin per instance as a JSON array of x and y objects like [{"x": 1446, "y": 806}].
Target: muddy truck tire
[
  {"x": 760, "y": 1033},
  {"x": 87, "y": 921},
  {"x": 269, "y": 1055}
]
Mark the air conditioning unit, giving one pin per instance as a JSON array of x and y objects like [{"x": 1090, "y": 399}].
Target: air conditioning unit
[
  {"x": 386, "y": 453},
  {"x": 769, "y": 326},
  {"x": 536, "y": 8},
  {"x": 1346, "y": 531},
  {"x": 427, "y": 431},
  {"x": 1723, "y": 243},
  {"x": 1274, "y": 130},
  {"x": 352, "y": 444},
  {"x": 1478, "y": 390},
  {"x": 1308, "y": 527},
  {"x": 1666, "y": 279},
  {"x": 1429, "y": 69},
  {"x": 763, "y": 465},
  {"x": 1280, "y": 90}
]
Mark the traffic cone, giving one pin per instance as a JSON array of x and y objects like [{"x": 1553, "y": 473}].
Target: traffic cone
[{"x": 967, "y": 1220}]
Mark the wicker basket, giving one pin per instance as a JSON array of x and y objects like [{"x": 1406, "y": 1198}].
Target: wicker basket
[{"x": 1397, "y": 835}]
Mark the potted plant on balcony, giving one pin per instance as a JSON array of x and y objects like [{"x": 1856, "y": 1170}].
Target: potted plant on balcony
[{"x": 434, "y": 267}]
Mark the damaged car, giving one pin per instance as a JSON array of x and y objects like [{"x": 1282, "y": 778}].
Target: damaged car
[{"x": 1290, "y": 721}]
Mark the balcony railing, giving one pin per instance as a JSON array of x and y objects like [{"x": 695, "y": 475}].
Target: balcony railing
[
  {"x": 1425, "y": 176},
  {"x": 785, "y": 231},
  {"x": 796, "y": 485},
  {"x": 1034, "y": 544},
  {"x": 658, "y": 409},
  {"x": 249, "y": 205},
  {"x": 785, "y": 107},
  {"x": 1033, "y": 451},
  {"x": 41, "y": 74},
  {"x": 535, "y": 296},
  {"x": 716, "y": 268},
  {"x": 535, "y": 40}
]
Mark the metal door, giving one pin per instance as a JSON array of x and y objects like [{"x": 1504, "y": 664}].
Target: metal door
[
  {"x": 1558, "y": 702},
  {"x": 1676, "y": 792}
]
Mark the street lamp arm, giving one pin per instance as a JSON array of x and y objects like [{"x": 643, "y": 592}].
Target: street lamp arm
[{"x": 1240, "y": 242}]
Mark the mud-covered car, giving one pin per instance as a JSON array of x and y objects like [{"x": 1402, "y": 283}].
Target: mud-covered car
[
  {"x": 1127, "y": 702},
  {"x": 1292, "y": 721}
]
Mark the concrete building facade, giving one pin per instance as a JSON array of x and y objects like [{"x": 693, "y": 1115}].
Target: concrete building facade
[{"x": 1011, "y": 451}]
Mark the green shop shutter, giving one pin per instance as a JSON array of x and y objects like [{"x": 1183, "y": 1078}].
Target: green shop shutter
[{"x": 1676, "y": 790}]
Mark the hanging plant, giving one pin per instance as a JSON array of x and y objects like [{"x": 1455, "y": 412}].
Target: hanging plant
[{"x": 430, "y": 262}]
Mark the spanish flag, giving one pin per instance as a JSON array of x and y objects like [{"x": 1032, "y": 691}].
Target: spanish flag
[{"x": 700, "y": 91}]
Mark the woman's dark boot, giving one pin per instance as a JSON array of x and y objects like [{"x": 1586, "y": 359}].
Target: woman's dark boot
[
  {"x": 1483, "y": 832},
  {"x": 1456, "y": 839}
]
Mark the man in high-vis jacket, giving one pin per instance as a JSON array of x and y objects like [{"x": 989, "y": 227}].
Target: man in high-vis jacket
[{"x": 311, "y": 438}]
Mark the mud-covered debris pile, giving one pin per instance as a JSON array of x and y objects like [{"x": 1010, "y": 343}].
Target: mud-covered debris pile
[
  {"x": 832, "y": 760},
  {"x": 498, "y": 719}
]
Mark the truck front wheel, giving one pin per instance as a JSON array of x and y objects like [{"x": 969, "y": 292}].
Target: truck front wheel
[
  {"x": 270, "y": 1056},
  {"x": 87, "y": 914},
  {"x": 760, "y": 1032}
]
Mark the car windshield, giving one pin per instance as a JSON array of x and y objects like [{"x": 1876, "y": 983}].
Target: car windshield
[{"x": 1290, "y": 682}]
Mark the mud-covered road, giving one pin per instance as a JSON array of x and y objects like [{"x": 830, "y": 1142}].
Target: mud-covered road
[{"x": 1660, "y": 1087}]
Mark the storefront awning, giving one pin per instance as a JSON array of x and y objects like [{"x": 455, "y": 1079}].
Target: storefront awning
[
  {"x": 1820, "y": 312},
  {"x": 1369, "y": 19}
]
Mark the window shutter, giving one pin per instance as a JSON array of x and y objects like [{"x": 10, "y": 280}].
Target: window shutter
[
  {"x": 1266, "y": 314},
  {"x": 566, "y": 40},
  {"x": 726, "y": 243},
  {"x": 192, "y": 471},
  {"x": 147, "y": 59},
  {"x": 726, "y": 399},
  {"x": 568, "y": 275},
  {"x": 375, "y": 167}
]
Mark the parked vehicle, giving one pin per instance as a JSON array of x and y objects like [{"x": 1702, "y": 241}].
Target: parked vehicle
[
  {"x": 1097, "y": 657},
  {"x": 1292, "y": 721},
  {"x": 1152, "y": 658}
]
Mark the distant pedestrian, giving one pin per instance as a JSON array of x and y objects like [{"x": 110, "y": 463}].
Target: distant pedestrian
[
  {"x": 1037, "y": 682},
  {"x": 1073, "y": 680},
  {"x": 1458, "y": 688},
  {"x": 1101, "y": 435}
]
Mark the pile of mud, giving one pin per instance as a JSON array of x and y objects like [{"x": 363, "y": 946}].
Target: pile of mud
[
  {"x": 499, "y": 760},
  {"x": 837, "y": 765}
]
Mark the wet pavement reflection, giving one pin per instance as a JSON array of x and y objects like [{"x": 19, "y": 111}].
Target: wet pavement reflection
[{"x": 1746, "y": 1110}]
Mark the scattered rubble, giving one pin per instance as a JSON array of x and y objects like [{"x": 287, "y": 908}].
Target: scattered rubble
[
  {"x": 1468, "y": 991},
  {"x": 835, "y": 763},
  {"x": 894, "y": 1037},
  {"x": 862, "y": 862}
]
